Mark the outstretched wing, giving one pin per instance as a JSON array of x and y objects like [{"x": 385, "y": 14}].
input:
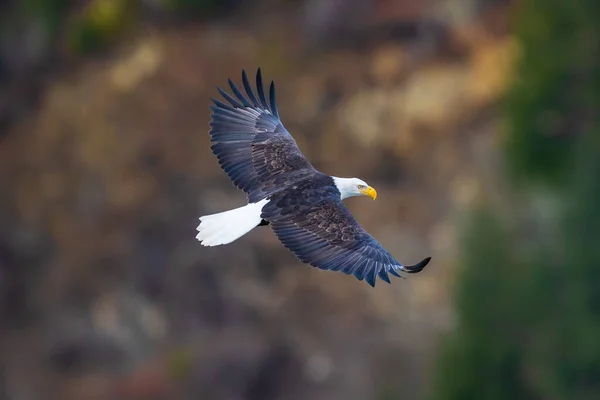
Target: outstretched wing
[
  {"x": 253, "y": 148},
  {"x": 327, "y": 236}
]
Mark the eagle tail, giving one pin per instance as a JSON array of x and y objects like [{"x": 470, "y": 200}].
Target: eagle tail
[{"x": 227, "y": 226}]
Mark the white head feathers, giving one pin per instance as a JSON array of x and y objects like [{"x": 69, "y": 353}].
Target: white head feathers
[{"x": 350, "y": 187}]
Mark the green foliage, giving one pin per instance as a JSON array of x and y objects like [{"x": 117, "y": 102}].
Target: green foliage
[
  {"x": 569, "y": 358},
  {"x": 545, "y": 106},
  {"x": 481, "y": 359},
  {"x": 93, "y": 25},
  {"x": 179, "y": 362},
  {"x": 529, "y": 314},
  {"x": 100, "y": 24},
  {"x": 84, "y": 27},
  {"x": 528, "y": 309},
  {"x": 49, "y": 12}
]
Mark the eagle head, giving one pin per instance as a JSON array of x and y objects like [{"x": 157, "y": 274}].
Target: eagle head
[{"x": 350, "y": 187}]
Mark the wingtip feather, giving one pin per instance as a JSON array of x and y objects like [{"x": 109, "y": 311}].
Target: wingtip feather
[
  {"x": 260, "y": 89},
  {"x": 273, "y": 100},
  {"x": 418, "y": 267}
]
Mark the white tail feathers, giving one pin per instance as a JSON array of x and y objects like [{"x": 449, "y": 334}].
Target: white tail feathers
[{"x": 227, "y": 226}]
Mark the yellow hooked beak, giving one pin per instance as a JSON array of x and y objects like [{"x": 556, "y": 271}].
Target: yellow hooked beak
[{"x": 369, "y": 191}]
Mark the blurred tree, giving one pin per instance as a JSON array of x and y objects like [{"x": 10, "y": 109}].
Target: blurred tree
[
  {"x": 548, "y": 106},
  {"x": 94, "y": 24},
  {"x": 480, "y": 360},
  {"x": 528, "y": 292},
  {"x": 49, "y": 12},
  {"x": 99, "y": 23}
]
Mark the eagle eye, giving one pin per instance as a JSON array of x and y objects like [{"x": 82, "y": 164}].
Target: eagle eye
[{"x": 361, "y": 187}]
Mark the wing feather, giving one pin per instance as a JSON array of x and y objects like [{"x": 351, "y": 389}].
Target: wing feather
[
  {"x": 261, "y": 91},
  {"x": 272, "y": 100},
  {"x": 234, "y": 102},
  {"x": 326, "y": 236},
  {"x": 250, "y": 142},
  {"x": 239, "y": 94},
  {"x": 249, "y": 90}
]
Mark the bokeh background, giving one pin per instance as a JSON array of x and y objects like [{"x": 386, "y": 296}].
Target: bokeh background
[{"x": 476, "y": 120}]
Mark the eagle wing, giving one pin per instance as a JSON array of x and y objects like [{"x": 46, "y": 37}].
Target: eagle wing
[
  {"x": 253, "y": 148},
  {"x": 326, "y": 235}
]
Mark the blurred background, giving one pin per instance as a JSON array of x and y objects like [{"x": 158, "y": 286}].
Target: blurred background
[{"x": 476, "y": 120}]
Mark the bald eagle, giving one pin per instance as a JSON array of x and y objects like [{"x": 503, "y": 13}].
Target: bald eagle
[{"x": 302, "y": 205}]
